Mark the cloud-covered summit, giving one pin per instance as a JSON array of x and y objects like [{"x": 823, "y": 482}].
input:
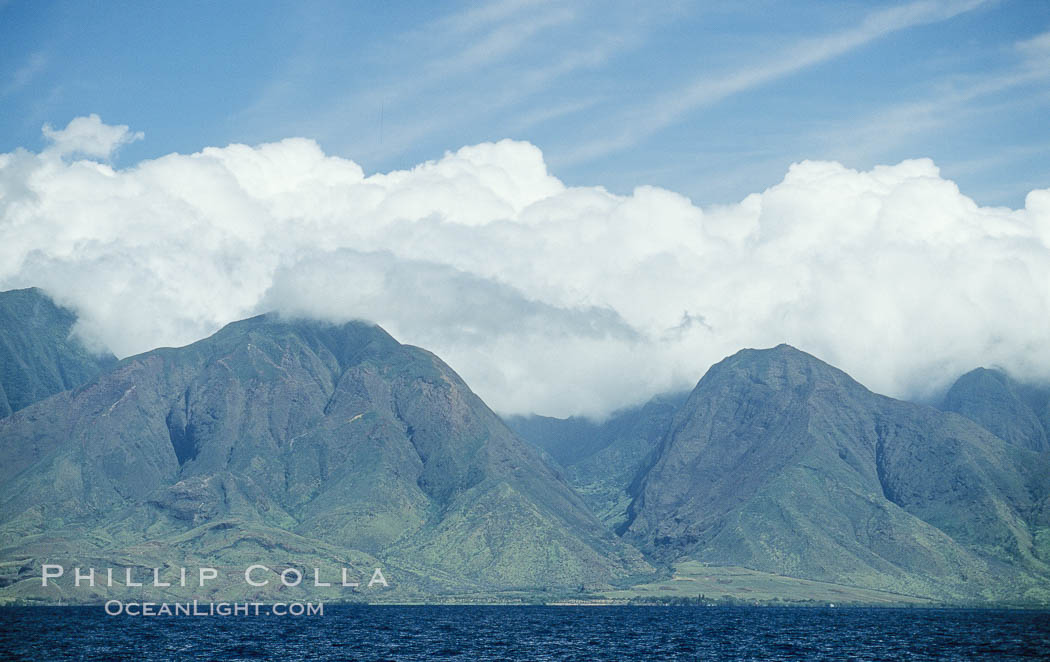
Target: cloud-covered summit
[{"x": 545, "y": 298}]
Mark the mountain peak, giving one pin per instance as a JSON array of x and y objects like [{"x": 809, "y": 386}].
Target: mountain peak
[
  {"x": 335, "y": 433},
  {"x": 777, "y": 456},
  {"x": 781, "y": 352},
  {"x": 1014, "y": 412},
  {"x": 273, "y": 322},
  {"x": 982, "y": 373},
  {"x": 778, "y": 367},
  {"x": 343, "y": 343},
  {"x": 38, "y": 354},
  {"x": 33, "y": 306}
]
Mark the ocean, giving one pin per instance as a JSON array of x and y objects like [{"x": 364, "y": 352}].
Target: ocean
[{"x": 530, "y": 633}]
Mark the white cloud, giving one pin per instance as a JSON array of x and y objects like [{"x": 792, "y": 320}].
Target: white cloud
[
  {"x": 34, "y": 65},
  {"x": 481, "y": 66},
  {"x": 88, "y": 136},
  {"x": 545, "y": 298},
  {"x": 1037, "y": 47},
  {"x": 655, "y": 115}
]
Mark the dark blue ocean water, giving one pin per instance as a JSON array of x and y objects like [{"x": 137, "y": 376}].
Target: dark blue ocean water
[{"x": 531, "y": 633}]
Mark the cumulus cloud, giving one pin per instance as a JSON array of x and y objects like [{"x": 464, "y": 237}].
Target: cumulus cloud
[
  {"x": 545, "y": 298},
  {"x": 90, "y": 137}
]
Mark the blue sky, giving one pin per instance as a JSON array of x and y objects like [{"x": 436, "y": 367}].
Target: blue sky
[{"x": 713, "y": 100}]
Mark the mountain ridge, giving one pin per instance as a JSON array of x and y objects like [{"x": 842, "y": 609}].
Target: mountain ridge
[
  {"x": 338, "y": 433},
  {"x": 301, "y": 442},
  {"x": 810, "y": 434}
]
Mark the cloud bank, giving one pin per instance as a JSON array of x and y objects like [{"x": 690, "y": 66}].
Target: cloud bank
[{"x": 544, "y": 298}]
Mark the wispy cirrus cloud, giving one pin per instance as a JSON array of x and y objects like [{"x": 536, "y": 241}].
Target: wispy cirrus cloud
[
  {"x": 546, "y": 113},
  {"x": 503, "y": 40},
  {"x": 955, "y": 104},
  {"x": 1035, "y": 49},
  {"x": 484, "y": 15},
  {"x": 33, "y": 66},
  {"x": 652, "y": 115},
  {"x": 480, "y": 65}
]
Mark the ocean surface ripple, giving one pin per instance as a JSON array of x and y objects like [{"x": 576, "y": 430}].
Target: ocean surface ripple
[{"x": 531, "y": 633}]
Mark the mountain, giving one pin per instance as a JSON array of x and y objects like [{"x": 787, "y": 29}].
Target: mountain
[
  {"x": 38, "y": 355},
  {"x": 1015, "y": 412},
  {"x": 296, "y": 443},
  {"x": 781, "y": 463},
  {"x": 600, "y": 460},
  {"x": 277, "y": 440}
]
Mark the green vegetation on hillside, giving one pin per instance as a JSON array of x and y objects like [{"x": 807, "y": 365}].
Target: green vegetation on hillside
[
  {"x": 300, "y": 444},
  {"x": 38, "y": 354}
]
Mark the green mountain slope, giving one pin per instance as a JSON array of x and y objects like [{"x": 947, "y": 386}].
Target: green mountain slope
[
  {"x": 781, "y": 463},
  {"x": 1015, "y": 412},
  {"x": 601, "y": 460},
  {"x": 38, "y": 357},
  {"x": 302, "y": 444},
  {"x": 338, "y": 435}
]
